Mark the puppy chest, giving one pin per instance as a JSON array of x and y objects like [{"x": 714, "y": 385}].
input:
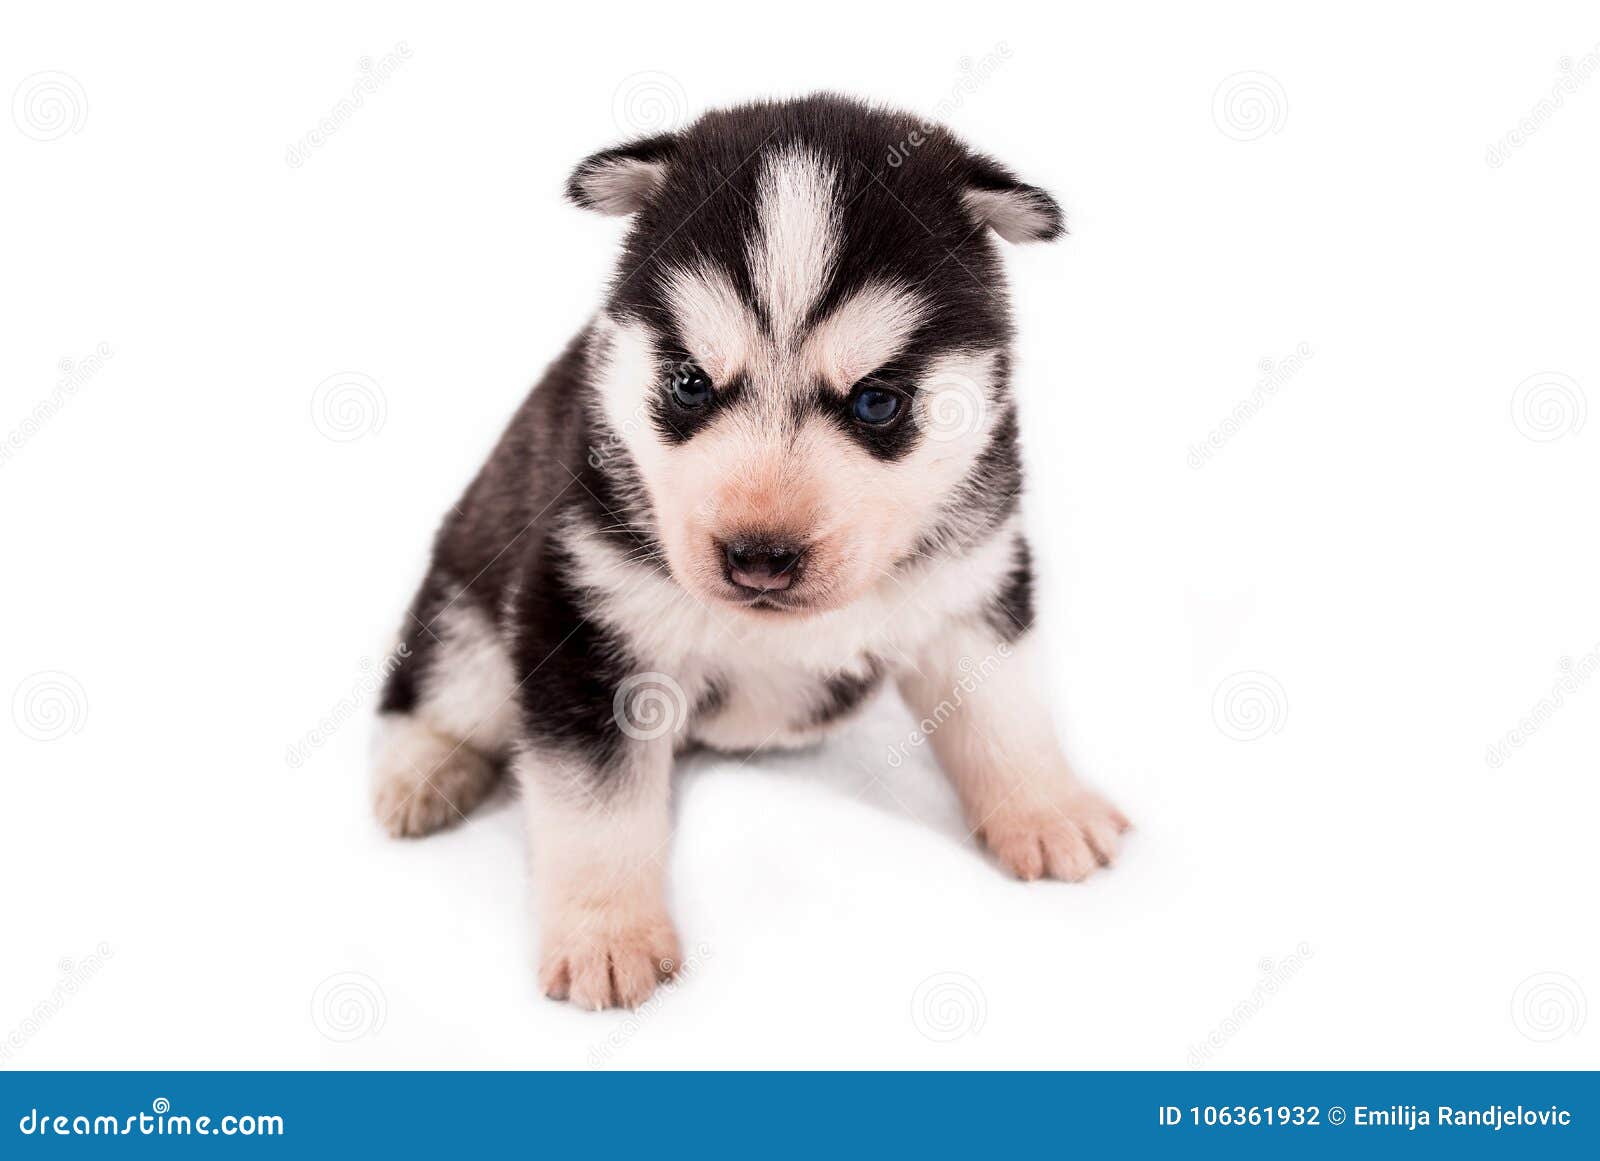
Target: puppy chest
[{"x": 761, "y": 707}]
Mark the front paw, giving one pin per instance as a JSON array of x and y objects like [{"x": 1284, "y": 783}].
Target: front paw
[
  {"x": 603, "y": 958},
  {"x": 1067, "y": 839}
]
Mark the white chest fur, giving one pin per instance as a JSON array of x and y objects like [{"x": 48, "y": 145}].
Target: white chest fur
[{"x": 769, "y": 673}]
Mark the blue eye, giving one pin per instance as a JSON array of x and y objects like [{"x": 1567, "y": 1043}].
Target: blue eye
[
  {"x": 875, "y": 406},
  {"x": 689, "y": 385}
]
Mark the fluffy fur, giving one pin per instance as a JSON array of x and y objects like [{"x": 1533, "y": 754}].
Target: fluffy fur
[{"x": 699, "y": 528}]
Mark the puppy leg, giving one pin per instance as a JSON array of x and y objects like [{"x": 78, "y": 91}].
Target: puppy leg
[
  {"x": 447, "y": 718},
  {"x": 599, "y": 845},
  {"x": 979, "y": 704}
]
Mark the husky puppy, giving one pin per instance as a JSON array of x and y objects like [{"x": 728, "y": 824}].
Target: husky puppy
[{"x": 779, "y": 467}]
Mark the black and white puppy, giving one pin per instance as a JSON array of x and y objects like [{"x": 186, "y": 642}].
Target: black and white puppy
[{"x": 778, "y": 467}]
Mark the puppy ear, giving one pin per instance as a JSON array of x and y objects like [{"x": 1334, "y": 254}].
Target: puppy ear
[
  {"x": 1012, "y": 209},
  {"x": 624, "y": 179}
]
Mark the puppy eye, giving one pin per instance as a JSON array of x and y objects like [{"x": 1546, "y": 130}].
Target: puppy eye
[
  {"x": 874, "y": 405},
  {"x": 688, "y": 385}
]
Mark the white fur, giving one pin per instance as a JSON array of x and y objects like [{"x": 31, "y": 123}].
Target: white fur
[
  {"x": 599, "y": 870},
  {"x": 868, "y": 330},
  {"x": 719, "y": 329},
  {"x": 990, "y": 726},
  {"x": 622, "y": 185},
  {"x": 797, "y": 237},
  {"x": 469, "y": 691},
  {"x": 1012, "y": 214}
]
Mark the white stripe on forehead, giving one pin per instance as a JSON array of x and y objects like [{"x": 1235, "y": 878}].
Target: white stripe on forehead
[{"x": 797, "y": 237}]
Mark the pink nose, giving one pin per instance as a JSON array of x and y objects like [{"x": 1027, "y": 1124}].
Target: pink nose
[{"x": 761, "y": 566}]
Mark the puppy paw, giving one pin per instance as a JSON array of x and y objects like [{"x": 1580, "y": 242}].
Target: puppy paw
[
  {"x": 601, "y": 960},
  {"x": 1068, "y": 839},
  {"x": 423, "y": 781}
]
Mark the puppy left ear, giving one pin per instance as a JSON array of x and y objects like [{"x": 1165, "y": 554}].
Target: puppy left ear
[
  {"x": 624, "y": 179},
  {"x": 1016, "y": 211}
]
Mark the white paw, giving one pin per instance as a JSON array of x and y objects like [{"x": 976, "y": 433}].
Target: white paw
[
  {"x": 423, "y": 781},
  {"x": 606, "y": 959},
  {"x": 1065, "y": 839}
]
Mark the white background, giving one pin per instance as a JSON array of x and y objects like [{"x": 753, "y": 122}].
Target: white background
[{"x": 1399, "y": 547}]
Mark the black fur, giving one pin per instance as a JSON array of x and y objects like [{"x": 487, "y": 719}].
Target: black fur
[{"x": 843, "y": 693}]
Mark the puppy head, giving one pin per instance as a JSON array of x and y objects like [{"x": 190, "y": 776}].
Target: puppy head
[{"x": 804, "y": 346}]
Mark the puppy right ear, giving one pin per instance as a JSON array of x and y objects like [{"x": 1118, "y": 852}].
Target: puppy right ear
[{"x": 624, "y": 179}]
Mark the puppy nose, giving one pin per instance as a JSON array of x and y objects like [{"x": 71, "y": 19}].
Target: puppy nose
[{"x": 761, "y": 565}]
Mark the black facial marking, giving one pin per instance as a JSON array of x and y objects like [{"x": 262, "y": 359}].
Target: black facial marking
[
  {"x": 677, "y": 423},
  {"x": 889, "y": 441}
]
